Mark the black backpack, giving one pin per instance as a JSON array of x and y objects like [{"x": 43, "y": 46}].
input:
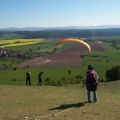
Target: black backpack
[{"x": 91, "y": 83}]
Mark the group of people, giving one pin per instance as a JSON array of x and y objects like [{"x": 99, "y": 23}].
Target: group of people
[
  {"x": 28, "y": 80},
  {"x": 91, "y": 82}
]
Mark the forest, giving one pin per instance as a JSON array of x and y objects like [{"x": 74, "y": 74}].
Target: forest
[{"x": 55, "y": 33}]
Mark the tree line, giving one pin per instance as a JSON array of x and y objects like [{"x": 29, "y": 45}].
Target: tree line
[
  {"x": 70, "y": 33},
  {"x": 78, "y": 33}
]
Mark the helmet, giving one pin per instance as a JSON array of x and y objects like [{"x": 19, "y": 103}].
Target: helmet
[{"x": 90, "y": 67}]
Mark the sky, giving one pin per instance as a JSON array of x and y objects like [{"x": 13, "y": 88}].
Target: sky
[{"x": 58, "y": 13}]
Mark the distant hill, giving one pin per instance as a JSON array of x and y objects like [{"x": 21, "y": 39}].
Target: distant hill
[
  {"x": 61, "y": 32},
  {"x": 59, "y": 28}
]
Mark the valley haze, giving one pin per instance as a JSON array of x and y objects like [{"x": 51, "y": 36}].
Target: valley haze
[{"x": 59, "y": 28}]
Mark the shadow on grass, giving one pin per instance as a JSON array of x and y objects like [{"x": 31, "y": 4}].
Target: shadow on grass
[{"x": 67, "y": 106}]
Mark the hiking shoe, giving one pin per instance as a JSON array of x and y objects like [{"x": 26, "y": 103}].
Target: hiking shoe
[
  {"x": 89, "y": 101},
  {"x": 95, "y": 101}
]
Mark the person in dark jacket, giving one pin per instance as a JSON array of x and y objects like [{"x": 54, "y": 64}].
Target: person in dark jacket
[
  {"x": 40, "y": 78},
  {"x": 28, "y": 80}
]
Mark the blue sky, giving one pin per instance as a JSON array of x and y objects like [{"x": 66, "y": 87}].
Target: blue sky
[{"x": 58, "y": 13}]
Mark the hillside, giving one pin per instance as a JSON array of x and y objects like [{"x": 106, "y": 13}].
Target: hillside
[
  {"x": 68, "y": 57},
  {"x": 59, "y": 103}
]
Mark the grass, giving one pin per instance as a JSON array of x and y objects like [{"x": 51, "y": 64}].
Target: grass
[
  {"x": 37, "y": 45},
  {"x": 10, "y": 36},
  {"x": 105, "y": 60},
  {"x": 17, "y": 77},
  {"x": 19, "y": 102},
  {"x": 59, "y": 103}
]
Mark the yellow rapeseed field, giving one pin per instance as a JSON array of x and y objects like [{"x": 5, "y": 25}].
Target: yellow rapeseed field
[{"x": 18, "y": 42}]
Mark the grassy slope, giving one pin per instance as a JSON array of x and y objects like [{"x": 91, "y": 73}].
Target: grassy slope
[
  {"x": 18, "y": 102},
  {"x": 8, "y": 76},
  {"x": 59, "y": 103},
  {"x": 105, "y": 60}
]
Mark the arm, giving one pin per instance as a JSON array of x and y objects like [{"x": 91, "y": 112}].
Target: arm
[
  {"x": 29, "y": 72},
  {"x": 97, "y": 78}
]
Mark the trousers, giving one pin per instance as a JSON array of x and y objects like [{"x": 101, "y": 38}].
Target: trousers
[{"x": 94, "y": 96}]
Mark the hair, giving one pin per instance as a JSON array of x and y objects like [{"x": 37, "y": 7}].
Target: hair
[{"x": 90, "y": 67}]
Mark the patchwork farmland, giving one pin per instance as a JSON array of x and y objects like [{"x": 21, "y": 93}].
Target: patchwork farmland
[{"x": 71, "y": 56}]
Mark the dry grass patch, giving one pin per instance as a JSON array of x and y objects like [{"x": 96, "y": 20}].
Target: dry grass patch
[{"x": 57, "y": 103}]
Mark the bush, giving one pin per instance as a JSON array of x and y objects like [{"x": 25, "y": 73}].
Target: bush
[
  {"x": 79, "y": 76},
  {"x": 53, "y": 83},
  {"x": 113, "y": 73},
  {"x": 59, "y": 83},
  {"x": 65, "y": 81},
  {"x": 47, "y": 81},
  {"x": 14, "y": 68}
]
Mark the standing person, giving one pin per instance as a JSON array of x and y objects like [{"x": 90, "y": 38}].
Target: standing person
[
  {"x": 28, "y": 80},
  {"x": 40, "y": 78},
  {"x": 91, "y": 82}
]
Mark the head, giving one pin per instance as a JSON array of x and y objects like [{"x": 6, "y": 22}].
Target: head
[{"x": 90, "y": 67}]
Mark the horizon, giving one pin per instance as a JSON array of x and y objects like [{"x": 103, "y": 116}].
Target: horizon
[{"x": 62, "y": 26}]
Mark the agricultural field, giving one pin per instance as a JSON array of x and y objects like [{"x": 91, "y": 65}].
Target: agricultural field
[
  {"x": 13, "y": 52},
  {"x": 55, "y": 64},
  {"x": 19, "y": 42}
]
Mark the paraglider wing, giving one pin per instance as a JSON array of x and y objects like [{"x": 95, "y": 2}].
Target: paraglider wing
[{"x": 74, "y": 40}]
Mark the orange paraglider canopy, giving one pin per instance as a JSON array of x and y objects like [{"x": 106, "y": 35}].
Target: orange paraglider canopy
[{"x": 74, "y": 40}]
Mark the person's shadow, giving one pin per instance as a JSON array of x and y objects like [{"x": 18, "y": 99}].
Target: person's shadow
[{"x": 67, "y": 106}]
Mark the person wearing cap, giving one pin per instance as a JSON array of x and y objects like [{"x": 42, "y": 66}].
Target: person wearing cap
[{"x": 91, "y": 86}]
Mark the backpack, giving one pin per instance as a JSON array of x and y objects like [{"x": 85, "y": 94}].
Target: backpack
[{"x": 91, "y": 83}]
